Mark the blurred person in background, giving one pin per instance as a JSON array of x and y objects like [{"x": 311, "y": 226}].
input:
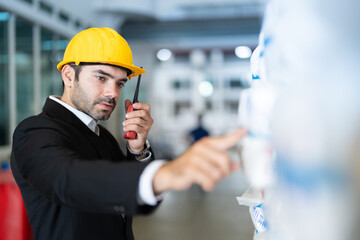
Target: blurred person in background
[
  {"x": 75, "y": 181},
  {"x": 199, "y": 131}
]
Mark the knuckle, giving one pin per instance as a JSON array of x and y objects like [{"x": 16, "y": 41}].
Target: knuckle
[
  {"x": 130, "y": 121},
  {"x": 142, "y": 113},
  {"x": 137, "y": 120}
]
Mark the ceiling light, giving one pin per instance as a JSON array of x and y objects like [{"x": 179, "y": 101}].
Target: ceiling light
[
  {"x": 164, "y": 54},
  {"x": 243, "y": 52},
  {"x": 206, "y": 88}
]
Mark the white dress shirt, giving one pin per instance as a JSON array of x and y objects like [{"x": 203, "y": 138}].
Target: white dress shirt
[{"x": 146, "y": 193}]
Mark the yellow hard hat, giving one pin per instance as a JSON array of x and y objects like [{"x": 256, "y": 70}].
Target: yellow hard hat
[{"x": 100, "y": 45}]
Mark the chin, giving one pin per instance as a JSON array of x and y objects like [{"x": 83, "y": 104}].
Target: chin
[
  {"x": 104, "y": 117},
  {"x": 101, "y": 116}
]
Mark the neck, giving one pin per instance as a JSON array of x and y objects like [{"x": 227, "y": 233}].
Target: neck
[{"x": 66, "y": 99}]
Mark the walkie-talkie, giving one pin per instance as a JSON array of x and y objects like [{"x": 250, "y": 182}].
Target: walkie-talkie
[{"x": 132, "y": 134}]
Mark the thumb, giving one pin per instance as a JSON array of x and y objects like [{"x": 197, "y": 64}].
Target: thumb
[
  {"x": 127, "y": 104},
  {"x": 227, "y": 141}
]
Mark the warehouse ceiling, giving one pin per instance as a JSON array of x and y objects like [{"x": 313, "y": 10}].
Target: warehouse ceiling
[{"x": 164, "y": 19}]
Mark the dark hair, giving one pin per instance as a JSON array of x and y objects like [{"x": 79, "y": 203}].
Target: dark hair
[{"x": 77, "y": 69}]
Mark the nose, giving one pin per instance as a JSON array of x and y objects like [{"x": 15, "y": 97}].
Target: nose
[{"x": 111, "y": 90}]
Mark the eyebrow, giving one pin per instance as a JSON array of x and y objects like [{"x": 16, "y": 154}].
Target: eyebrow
[{"x": 109, "y": 75}]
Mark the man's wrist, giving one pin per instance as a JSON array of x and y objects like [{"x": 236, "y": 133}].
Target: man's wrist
[
  {"x": 140, "y": 153},
  {"x": 160, "y": 182}
]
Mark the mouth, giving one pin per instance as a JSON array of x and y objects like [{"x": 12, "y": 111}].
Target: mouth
[{"x": 106, "y": 106}]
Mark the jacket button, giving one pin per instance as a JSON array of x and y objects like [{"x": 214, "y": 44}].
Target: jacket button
[{"x": 119, "y": 209}]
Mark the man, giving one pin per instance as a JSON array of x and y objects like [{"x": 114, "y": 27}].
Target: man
[{"x": 75, "y": 181}]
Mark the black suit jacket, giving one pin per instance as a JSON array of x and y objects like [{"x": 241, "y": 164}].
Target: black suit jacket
[{"x": 75, "y": 184}]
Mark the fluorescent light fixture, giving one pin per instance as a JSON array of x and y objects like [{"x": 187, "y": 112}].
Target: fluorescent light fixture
[
  {"x": 243, "y": 52},
  {"x": 164, "y": 54},
  {"x": 206, "y": 89}
]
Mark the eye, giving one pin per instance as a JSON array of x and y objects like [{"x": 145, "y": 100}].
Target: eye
[
  {"x": 101, "y": 78},
  {"x": 120, "y": 84}
]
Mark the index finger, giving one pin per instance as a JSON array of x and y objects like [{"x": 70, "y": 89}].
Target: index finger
[{"x": 227, "y": 141}]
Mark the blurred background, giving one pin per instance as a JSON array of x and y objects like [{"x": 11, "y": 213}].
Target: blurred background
[{"x": 287, "y": 70}]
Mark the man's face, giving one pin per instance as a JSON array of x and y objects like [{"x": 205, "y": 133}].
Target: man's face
[{"x": 97, "y": 90}]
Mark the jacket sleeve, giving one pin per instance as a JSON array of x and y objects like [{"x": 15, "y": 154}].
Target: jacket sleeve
[{"x": 46, "y": 160}]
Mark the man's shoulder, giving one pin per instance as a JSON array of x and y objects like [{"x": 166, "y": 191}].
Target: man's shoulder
[
  {"x": 36, "y": 120},
  {"x": 40, "y": 124}
]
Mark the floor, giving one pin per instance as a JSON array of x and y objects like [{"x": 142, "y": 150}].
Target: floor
[{"x": 194, "y": 214}]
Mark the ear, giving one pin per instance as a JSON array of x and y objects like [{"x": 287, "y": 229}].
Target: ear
[{"x": 68, "y": 75}]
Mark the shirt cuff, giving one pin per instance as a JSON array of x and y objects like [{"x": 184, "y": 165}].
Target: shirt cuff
[{"x": 146, "y": 192}]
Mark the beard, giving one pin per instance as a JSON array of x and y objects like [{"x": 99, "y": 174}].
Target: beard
[{"x": 85, "y": 104}]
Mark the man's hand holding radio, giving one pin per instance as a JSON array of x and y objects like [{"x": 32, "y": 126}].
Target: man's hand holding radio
[{"x": 139, "y": 121}]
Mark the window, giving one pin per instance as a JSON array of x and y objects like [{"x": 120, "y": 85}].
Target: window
[
  {"x": 181, "y": 84},
  {"x": 4, "y": 80},
  {"x": 231, "y": 57},
  {"x": 78, "y": 23},
  {"x": 24, "y": 70},
  {"x": 181, "y": 106},
  {"x": 182, "y": 57},
  {"x": 46, "y": 63},
  {"x": 45, "y": 7},
  {"x": 63, "y": 16},
  {"x": 52, "y": 49},
  {"x": 59, "y": 50},
  {"x": 17, "y": 60},
  {"x": 28, "y": 1},
  {"x": 240, "y": 82},
  {"x": 231, "y": 106}
]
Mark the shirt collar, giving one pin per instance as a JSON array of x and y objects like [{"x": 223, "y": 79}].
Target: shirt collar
[{"x": 86, "y": 119}]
